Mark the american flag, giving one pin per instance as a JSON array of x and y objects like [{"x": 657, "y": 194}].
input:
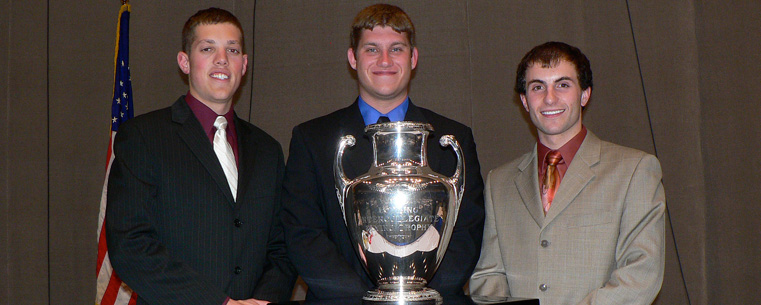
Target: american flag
[{"x": 110, "y": 289}]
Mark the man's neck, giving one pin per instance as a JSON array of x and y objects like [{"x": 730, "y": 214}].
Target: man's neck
[
  {"x": 220, "y": 108},
  {"x": 555, "y": 142}
]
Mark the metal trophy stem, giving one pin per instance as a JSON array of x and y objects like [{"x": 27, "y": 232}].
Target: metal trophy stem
[{"x": 400, "y": 214}]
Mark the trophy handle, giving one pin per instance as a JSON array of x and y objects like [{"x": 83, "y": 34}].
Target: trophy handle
[
  {"x": 458, "y": 179},
  {"x": 342, "y": 182}
]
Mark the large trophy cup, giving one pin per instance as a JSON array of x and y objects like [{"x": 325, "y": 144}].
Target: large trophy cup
[{"x": 400, "y": 214}]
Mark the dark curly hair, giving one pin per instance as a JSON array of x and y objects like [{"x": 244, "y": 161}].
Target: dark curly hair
[{"x": 549, "y": 55}]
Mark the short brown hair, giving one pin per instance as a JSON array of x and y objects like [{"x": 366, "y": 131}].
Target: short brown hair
[
  {"x": 382, "y": 15},
  {"x": 210, "y": 15},
  {"x": 549, "y": 55}
]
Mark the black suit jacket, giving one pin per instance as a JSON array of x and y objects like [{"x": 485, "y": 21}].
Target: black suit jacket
[
  {"x": 317, "y": 238},
  {"x": 175, "y": 235}
]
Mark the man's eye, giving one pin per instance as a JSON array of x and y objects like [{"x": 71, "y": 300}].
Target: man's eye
[
  {"x": 536, "y": 88},
  {"x": 371, "y": 50},
  {"x": 205, "y": 49},
  {"x": 234, "y": 51}
]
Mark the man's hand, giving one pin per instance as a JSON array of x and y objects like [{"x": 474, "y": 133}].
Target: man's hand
[{"x": 247, "y": 302}]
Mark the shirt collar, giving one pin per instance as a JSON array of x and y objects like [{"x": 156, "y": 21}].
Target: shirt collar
[
  {"x": 206, "y": 116},
  {"x": 371, "y": 115},
  {"x": 567, "y": 151}
]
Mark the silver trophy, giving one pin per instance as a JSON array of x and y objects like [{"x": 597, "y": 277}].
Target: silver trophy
[{"x": 400, "y": 214}]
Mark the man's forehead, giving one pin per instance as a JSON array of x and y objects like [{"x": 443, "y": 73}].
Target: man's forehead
[
  {"x": 379, "y": 28},
  {"x": 555, "y": 70},
  {"x": 210, "y": 32}
]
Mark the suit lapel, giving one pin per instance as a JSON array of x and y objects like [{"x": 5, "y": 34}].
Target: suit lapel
[
  {"x": 193, "y": 135},
  {"x": 578, "y": 175},
  {"x": 527, "y": 184},
  {"x": 359, "y": 158},
  {"x": 247, "y": 157}
]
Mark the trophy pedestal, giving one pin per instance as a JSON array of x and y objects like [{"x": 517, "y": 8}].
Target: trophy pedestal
[{"x": 423, "y": 296}]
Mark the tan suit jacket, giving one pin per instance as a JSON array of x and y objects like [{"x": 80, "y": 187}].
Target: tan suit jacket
[{"x": 602, "y": 241}]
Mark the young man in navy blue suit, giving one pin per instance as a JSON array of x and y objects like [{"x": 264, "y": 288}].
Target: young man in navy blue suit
[
  {"x": 383, "y": 53},
  {"x": 183, "y": 225}
]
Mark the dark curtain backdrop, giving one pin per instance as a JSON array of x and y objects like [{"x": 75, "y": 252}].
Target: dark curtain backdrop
[{"x": 675, "y": 78}]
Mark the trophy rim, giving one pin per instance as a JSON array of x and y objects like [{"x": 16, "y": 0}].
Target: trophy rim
[{"x": 399, "y": 126}]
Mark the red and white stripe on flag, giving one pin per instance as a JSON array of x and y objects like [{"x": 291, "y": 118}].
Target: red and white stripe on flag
[{"x": 110, "y": 290}]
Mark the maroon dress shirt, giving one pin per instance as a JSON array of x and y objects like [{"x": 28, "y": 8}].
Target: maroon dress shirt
[
  {"x": 206, "y": 116},
  {"x": 567, "y": 151}
]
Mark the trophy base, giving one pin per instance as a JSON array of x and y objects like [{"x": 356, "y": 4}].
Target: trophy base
[{"x": 425, "y": 296}]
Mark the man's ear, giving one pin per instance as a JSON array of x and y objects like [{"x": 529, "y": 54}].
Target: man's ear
[
  {"x": 245, "y": 64},
  {"x": 414, "y": 58},
  {"x": 352, "y": 58},
  {"x": 523, "y": 100},
  {"x": 183, "y": 61},
  {"x": 585, "y": 95}
]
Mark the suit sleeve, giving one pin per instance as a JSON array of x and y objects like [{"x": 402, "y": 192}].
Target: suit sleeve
[
  {"x": 315, "y": 255},
  {"x": 138, "y": 257},
  {"x": 465, "y": 244},
  {"x": 277, "y": 280},
  {"x": 640, "y": 251},
  {"x": 489, "y": 278}
]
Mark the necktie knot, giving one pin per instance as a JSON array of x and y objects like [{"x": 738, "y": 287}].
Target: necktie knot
[
  {"x": 220, "y": 123},
  {"x": 554, "y": 157},
  {"x": 383, "y": 119}
]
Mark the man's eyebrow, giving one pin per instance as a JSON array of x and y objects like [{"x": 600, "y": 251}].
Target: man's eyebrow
[
  {"x": 535, "y": 81},
  {"x": 210, "y": 41},
  {"x": 564, "y": 78}
]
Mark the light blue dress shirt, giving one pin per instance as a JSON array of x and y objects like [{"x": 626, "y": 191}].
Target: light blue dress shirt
[{"x": 371, "y": 115}]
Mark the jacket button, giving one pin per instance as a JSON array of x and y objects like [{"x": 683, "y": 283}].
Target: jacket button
[
  {"x": 238, "y": 270},
  {"x": 237, "y": 223},
  {"x": 543, "y": 287},
  {"x": 545, "y": 243}
]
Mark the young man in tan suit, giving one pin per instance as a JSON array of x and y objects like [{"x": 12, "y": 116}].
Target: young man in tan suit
[{"x": 576, "y": 220}]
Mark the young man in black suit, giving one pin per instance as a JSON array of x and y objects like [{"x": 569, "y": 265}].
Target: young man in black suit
[
  {"x": 383, "y": 53},
  {"x": 193, "y": 205}
]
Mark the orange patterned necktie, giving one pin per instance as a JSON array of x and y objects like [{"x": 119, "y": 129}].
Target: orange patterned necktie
[{"x": 551, "y": 179}]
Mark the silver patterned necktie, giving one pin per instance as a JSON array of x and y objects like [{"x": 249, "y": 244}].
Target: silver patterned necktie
[{"x": 225, "y": 154}]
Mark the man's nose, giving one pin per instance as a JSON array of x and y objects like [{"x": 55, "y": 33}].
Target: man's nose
[
  {"x": 221, "y": 59},
  {"x": 551, "y": 97},
  {"x": 385, "y": 59}
]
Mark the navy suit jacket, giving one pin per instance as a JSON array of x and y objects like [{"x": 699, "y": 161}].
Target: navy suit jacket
[
  {"x": 175, "y": 235},
  {"x": 317, "y": 238}
]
